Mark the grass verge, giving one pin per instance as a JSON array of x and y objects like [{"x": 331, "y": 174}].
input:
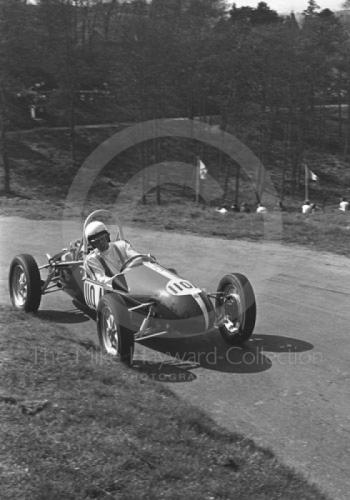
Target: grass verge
[
  {"x": 329, "y": 231},
  {"x": 42, "y": 174},
  {"x": 78, "y": 425}
]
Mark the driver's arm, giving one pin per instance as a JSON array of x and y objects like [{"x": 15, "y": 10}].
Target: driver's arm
[
  {"x": 130, "y": 252},
  {"x": 127, "y": 249}
]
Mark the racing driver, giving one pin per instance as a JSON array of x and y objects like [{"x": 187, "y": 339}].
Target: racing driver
[{"x": 107, "y": 257}]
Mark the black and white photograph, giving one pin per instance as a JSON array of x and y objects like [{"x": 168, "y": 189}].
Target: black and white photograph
[{"x": 174, "y": 249}]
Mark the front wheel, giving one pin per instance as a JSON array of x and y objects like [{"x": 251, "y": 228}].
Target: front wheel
[
  {"x": 113, "y": 330},
  {"x": 236, "y": 308},
  {"x": 25, "y": 283}
]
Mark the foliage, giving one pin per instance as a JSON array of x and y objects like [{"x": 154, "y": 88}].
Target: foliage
[
  {"x": 262, "y": 74},
  {"x": 261, "y": 15}
]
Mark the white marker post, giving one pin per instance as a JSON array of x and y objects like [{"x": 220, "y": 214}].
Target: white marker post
[
  {"x": 197, "y": 179},
  {"x": 306, "y": 182}
]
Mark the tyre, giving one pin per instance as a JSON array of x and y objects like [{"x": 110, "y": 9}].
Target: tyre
[
  {"x": 25, "y": 283},
  {"x": 236, "y": 308},
  {"x": 114, "y": 334}
]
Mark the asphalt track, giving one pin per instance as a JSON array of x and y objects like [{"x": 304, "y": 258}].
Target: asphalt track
[{"x": 289, "y": 389}]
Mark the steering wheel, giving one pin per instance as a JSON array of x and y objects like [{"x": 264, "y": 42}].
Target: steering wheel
[{"x": 142, "y": 256}]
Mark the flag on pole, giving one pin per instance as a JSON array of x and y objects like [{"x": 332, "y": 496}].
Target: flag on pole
[
  {"x": 202, "y": 170},
  {"x": 311, "y": 175}
]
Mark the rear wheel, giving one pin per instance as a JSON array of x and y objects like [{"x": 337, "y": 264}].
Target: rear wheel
[
  {"x": 236, "y": 308},
  {"x": 113, "y": 330},
  {"x": 25, "y": 283}
]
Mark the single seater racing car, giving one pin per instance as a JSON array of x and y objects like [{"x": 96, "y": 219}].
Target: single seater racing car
[{"x": 142, "y": 301}]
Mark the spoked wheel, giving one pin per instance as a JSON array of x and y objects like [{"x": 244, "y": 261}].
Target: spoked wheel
[
  {"x": 110, "y": 333},
  {"x": 236, "y": 308},
  {"x": 24, "y": 283},
  {"x": 114, "y": 335}
]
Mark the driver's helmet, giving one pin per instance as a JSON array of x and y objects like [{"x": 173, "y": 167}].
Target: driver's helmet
[{"x": 96, "y": 230}]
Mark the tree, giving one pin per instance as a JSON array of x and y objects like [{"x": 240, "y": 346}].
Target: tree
[
  {"x": 76, "y": 41},
  {"x": 261, "y": 15},
  {"x": 17, "y": 66},
  {"x": 264, "y": 15},
  {"x": 311, "y": 9}
]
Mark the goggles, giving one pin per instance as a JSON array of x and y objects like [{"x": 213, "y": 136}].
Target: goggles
[{"x": 96, "y": 238}]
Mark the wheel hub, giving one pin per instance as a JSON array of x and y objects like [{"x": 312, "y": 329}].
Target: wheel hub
[
  {"x": 110, "y": 334},
  {"x": 232, "y": 312},
  {"x": 19, "y": 287}
]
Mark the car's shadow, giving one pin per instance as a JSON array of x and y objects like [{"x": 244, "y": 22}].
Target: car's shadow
[
  {"x": 66, "y": 317},
  {"x": 278, "y": 343},
  {"x": 166, "y": 371},
  {"x": 211, "y": 352}
]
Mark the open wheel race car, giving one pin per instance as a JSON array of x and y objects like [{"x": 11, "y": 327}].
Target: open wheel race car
[{"x": 142, "y": 301}]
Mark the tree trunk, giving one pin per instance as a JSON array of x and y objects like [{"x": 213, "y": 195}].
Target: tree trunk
[
  {"x": 3, "y": 142},
  {"x": 340, "y": 120},
  {"x": 238, "y": 172},
  {"x": 158, "y": 190},
  {"x": 347, "y": 135},
  {"x": 72, "y": 126},
  {"x": 108, "y": 17},
  {"x": 286, "y": 157},
  {"x": 340, "y": 113},
  {"x": 283, "y": 182},
  {"x": 227, "y": 176}
]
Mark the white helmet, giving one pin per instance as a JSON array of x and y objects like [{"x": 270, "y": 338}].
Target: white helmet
[{"x": 94, "y": 228}]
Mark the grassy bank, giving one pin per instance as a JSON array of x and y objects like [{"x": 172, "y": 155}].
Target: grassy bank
[
  {"x": 324, "y": 231},
  {"x": 78, "y": 425},
  {"x": 42, "y": 174}
]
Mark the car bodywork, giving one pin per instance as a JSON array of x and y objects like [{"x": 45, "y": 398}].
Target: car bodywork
[{"x": 145, "y": 299}]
